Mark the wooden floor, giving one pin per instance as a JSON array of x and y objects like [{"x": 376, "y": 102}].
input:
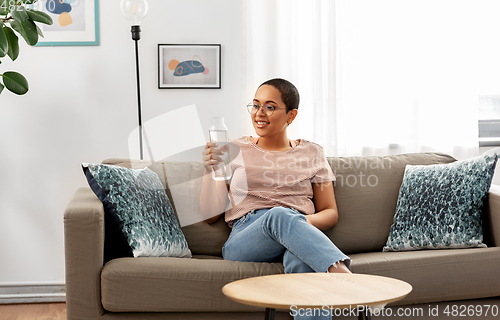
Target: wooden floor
[{"x": 33, "y": 311}]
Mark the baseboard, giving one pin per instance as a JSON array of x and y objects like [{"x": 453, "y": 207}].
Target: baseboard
[{"x": 32, "y": 292}]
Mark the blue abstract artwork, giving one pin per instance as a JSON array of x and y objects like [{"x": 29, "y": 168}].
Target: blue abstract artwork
[{"x": 187, "y": 67}]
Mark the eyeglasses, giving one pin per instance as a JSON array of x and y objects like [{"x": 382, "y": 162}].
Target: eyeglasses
[{"x": 268, "y": 109}]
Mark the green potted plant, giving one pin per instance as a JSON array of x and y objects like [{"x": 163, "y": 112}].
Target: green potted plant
[{"x": 18, "y": 16}]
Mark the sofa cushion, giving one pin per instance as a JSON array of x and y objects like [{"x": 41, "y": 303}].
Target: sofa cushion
[
  {"x": 182, "y": 182},
  {"x": 436, "y": 275},
  {"x": 440, "y": 206},
  {"x": 366, "y": 191},
  {"x": 175, "y": 284},
  {"x": 135, "y": 285},
  {"x": 136, "y": 200}
]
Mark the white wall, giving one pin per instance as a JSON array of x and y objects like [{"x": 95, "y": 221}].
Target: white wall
[{"x": 81, "y": 107}]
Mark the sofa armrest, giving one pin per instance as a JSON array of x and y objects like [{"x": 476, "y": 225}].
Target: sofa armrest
[
  {"x": 492, "y": 217},
  {"x": 84, "y": 249}
]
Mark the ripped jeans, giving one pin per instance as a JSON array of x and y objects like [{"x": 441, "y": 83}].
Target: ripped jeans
[{"x": 269, "y": 235}]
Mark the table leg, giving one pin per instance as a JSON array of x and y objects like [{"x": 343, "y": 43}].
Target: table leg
[
  {"x": 364, "y": 314},
  {"x": 269, "y": 314}
]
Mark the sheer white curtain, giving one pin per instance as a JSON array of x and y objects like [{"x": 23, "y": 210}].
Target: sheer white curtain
[
  {"x": 375, "y": 77},
  {"x": 295, "y": 40}
]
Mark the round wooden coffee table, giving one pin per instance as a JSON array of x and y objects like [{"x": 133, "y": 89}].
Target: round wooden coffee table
[{"x": 317, "y": 291}]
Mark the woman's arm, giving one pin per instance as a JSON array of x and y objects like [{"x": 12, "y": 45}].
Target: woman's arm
[
  {"x": 213, "y": 198},
  {"x": 326, "y": 216},
  {"x": 213, "y": 195}
]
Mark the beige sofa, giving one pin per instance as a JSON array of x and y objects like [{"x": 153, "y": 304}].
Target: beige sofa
[{"x": 181, "y": 288}]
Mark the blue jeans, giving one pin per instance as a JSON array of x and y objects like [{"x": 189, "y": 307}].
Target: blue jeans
[{"x": 272, "y": 235}]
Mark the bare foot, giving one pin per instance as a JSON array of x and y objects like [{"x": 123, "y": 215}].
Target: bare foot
[{"x": 339, "y": 267}]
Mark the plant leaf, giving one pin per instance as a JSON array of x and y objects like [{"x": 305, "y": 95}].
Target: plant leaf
[
  {"x": 27, "y": 30},
  {"x": 29, "y": 1},
  {"x": 19, "y": 13},
  {"x": 15, "y": 82},
  {"x": 13, "y": 41},
  {"x": 4, "y": 8},
  {"x": 40, "y": 16},
  {"x": 4, "y": 44},
  {"x": 1, "y": 87},
  {"x": 39, "y": 31}
]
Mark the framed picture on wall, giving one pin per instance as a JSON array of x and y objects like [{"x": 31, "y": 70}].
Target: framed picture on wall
[
  {"x": 189, "y": 66},
  {"x": 76, "y": 22}
]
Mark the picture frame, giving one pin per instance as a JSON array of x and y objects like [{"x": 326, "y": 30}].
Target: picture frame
[
  {"x": 76, "y": 23},
  {"x": 189, "y": 66}
]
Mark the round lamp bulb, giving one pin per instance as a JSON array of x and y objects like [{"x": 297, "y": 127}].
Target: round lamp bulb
[{"x": 134, "y": 10}]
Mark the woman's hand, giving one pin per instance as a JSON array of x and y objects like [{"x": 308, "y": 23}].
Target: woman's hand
[
  {"x": 214, "y": 194},
  {"x": 326, "y": 215},
  {"x": 211, "y": 156}
]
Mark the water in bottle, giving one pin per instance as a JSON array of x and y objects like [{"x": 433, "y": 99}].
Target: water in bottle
[{"x": 218, "y": 134}]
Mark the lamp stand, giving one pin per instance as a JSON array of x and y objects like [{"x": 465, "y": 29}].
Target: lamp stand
[{"x": 136, "y": 36}]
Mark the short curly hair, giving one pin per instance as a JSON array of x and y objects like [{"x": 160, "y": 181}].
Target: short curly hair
[{"x": 289, "y": 93}]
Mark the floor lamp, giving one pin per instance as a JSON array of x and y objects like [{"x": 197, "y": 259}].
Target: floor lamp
[{"x": 134, "y": 11}]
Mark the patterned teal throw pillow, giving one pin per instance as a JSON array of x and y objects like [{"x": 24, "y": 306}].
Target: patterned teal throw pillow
[
  {"x": 440, "y": 206},
  {"x": 136, "y": 202}
]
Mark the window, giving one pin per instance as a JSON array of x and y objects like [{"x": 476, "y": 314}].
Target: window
[{"x": 489, "y": 121}]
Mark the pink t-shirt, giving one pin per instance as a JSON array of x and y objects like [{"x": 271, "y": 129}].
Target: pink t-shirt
[{"x": 266, "y": 179}]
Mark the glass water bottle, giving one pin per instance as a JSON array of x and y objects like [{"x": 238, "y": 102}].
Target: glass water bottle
[{"x": 218, "y": 134}]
